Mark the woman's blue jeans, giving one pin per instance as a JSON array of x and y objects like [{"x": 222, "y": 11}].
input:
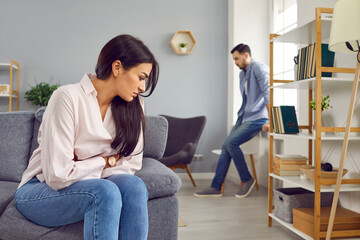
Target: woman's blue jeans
[
  {"x": 113, "y": 208},
  {"x": 240, "y": 133}
]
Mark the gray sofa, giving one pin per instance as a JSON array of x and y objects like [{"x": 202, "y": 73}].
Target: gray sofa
[{"x": 18, "y": 131}]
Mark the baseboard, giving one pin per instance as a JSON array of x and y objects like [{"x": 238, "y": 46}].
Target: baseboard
[
  {"x": 233, "y": 178},
  {"x": 209, "y": 176},
  {"x": 200, "y": 176}
]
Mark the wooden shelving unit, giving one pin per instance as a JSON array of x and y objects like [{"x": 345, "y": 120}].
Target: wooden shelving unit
[
  {"x": 11, "y": 67},
  {"x": 317, "y": 31}
]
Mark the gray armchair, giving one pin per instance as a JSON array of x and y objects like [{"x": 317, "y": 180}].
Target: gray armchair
[{"x": 183, "y": 137}]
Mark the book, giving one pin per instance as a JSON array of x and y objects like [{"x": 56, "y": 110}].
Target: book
[
  {"x": 284, "y": 119},
  {"x": 280, "y": 166},
  {"x": 274, "y": 120},
  {"x": 290, "y": 157},
  {"x": 289, "y": 120},
  {"x": 299, "y": 65},
  {"x": 290, "y": 162},
  {"x": 281, "y": 125},
  {"x": 286, "y": 172},
  {"x": 284, "y": 159},
  {"x": 307, "y": 61}
]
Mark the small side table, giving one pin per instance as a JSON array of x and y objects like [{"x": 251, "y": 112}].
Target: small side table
[{"x": 251, "y": 154}]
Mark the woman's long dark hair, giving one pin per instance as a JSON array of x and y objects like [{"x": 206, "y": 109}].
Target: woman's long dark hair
[{"x": 128, "y": 116}]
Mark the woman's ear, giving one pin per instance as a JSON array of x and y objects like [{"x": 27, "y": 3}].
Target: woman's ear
[{"x": 116, "y": 67}]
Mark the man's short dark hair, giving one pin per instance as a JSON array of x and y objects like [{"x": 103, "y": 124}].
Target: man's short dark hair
[{"x": 242, "y": 48}]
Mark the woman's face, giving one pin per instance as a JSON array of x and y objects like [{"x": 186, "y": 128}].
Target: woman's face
[{"x": 131, "y": 82}]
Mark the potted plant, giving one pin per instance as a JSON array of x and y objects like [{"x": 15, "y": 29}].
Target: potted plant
[
  {"x": 40, "y": 94},
  {"x": 325, "y": 105},
  {"x": 183, "y": 48}
]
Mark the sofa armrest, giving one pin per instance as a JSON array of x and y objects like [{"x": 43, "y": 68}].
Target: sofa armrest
[
  {"x": 160, "y": 180},
  {"x": 156, "y": 132}
]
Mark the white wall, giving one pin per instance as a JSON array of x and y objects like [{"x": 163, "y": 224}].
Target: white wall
[{"x": 248, "y": 23}]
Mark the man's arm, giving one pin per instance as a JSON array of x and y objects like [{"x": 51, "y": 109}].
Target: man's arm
[{"x": 263, "y": 78}]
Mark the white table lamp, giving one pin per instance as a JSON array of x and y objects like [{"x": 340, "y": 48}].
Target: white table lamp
[
  {"x": 345, "y": 38},
  {"x": 345, "y": 31}
]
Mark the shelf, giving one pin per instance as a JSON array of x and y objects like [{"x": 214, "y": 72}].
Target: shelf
[
  {"x": 310, "y": 185},
  {"x": 308, "y": 136},
  {"x": 290, "y": 227},
  {"x": 183, "y": 36},
  {"x": 309, "y": 84},
  {"x": 5, "y": 66},
  {"x": 7, "y": 95},
  {"x": 306, "y": 33}
]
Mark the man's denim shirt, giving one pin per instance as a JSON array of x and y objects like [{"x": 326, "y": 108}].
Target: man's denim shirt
[{"x": 257, "y": 92}]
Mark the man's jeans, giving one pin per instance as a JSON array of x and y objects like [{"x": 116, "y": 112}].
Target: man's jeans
[
  {"x": 113, "y": 208},
  {"x": 240, "y": 133}
]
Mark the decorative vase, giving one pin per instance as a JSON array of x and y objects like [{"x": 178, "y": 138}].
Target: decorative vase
[{"x": 183, "y": 49}]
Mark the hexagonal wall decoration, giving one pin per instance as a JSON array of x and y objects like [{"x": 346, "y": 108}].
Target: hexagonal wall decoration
[{"x": 180, "y": 38}]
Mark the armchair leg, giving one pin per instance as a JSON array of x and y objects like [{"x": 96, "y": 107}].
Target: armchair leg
[
  {"x": 185, "y": 167},
  {"x": 191, "y": 178}
]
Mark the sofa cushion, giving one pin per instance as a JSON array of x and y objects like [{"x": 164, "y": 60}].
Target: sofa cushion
[
  {"x": 13, "y": 225},
  {"x": 16, "y": 134},
  {"x": 7, "y": 190},
  {"x": 38, "y": 118},
  {"x": 160, "y": 180},
  {"x": 156, "y": 130}
]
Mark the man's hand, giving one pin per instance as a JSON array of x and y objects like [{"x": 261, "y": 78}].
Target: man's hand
[{"x": 266, "y": 127}]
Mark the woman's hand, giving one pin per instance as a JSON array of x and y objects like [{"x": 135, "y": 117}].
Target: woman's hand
[{"x": 111, "y": 161}]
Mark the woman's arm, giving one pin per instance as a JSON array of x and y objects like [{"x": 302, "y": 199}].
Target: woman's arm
[{"x": 59, "y": 164}]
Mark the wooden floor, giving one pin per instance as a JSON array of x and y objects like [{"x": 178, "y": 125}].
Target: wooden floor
[{"x": 227, "y": 217}]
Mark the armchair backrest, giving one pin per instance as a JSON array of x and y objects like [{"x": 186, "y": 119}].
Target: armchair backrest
[{"x": 183, "y": 131}]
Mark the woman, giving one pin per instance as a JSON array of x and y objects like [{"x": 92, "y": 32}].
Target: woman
[{"x": 90, "y": 144}]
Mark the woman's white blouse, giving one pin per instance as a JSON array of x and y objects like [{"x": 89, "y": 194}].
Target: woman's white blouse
[{"x": 73, "y": 138}]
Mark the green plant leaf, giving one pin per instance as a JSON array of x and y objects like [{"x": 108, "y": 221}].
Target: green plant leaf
[
  {"x": 40, "y": 94},
  {"x": 325, "y": 103}
]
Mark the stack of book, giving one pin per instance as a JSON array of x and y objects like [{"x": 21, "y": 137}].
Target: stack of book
[
  {"x": 284, "y": 119},
  {"x": 307, "y": 62},
  {"x": 288, "y": 165},
  {"x": 4, "y": 89}
]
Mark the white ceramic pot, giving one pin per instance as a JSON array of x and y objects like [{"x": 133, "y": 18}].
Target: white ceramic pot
[{"x": 183, "y": 50}]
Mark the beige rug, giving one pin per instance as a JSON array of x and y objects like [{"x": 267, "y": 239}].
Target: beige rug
[{"x": 181, "y": 223}]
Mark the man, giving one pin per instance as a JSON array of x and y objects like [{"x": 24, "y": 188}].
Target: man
[{"x": 253, "y": 117}]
